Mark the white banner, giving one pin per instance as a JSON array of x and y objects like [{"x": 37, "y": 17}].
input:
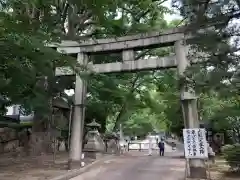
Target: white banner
[{"x": 195, "y": 143}]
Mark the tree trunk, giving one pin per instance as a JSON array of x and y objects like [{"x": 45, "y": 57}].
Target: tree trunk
[{"x": 41, "y": 139}]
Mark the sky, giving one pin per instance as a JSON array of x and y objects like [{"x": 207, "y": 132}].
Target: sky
[{"x": 170, "y": 17}]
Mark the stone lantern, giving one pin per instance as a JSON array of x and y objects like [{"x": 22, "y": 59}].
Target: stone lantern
[
  {"x": 93, "y": 126},
  {"x": 94, "y": 148}
]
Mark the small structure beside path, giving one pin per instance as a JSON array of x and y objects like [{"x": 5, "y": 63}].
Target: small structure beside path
[{"x": 95, "y": 146}]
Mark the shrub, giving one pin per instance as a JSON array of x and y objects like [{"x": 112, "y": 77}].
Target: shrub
[{"x": 231, "y": 154}]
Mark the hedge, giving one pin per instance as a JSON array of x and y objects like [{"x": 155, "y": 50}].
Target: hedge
[{"x": 231, "y": 154}]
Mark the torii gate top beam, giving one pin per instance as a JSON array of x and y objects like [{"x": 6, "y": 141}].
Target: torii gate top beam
[{"x": 135, "y": 42}]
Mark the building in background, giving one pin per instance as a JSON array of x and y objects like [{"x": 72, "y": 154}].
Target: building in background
[{"x": 15, "y": 113}]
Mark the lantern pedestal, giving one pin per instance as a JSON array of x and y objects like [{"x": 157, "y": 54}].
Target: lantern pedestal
[{"x": 95, "y": 146}]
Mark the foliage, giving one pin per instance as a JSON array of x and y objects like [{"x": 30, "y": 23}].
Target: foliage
[
  {"x": 138, "y": 124},
  {"x": 231, "y": 154},
  {"x": 27, "y": 25},
  {"x": 218, "y": 40},
  {"x": 25, "y": 60},
  {"x": 141, "y": 102}
]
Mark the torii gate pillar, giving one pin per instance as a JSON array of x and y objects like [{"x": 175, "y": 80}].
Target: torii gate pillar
[
  {"x": 197, "y": 167},
  {"x": 79, "y": 115}
]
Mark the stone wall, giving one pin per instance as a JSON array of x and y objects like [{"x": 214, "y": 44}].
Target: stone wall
[
  {"x": 15, "y": 141},
  {"x": 112, "y": 146},
  {"x": 9, "y": 140}
]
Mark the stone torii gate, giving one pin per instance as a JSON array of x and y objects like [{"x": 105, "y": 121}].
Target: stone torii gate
[{"x": 128, "y": 45}]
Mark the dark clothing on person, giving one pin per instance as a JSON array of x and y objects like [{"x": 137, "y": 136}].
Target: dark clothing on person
[
  {"x": 161, "y": 146},
  {"x": 161, "y": 152}
]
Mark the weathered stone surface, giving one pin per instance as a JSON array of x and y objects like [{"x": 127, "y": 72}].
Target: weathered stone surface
[
  {"x": 138, "y": 65},
  {"x": 40, "y": 142},
  {"x": 145, "y": 40},
  {"x": 126, "y": 66},
  {"x": 95, "y": 146},
  {"x": 112, "y": 146},
  {"x": 10, "y": 146},
  {"x": 128, "y": 55},
  {"x": 8, "y": 139},
  {"x": 7, "y": 134}
]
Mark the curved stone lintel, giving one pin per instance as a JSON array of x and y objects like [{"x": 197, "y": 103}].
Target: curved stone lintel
[{"x": 145, "y": 40}]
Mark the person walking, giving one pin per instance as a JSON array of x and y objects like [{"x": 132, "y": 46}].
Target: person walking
[
  {"x": 150, "y": 146},
  {"x": 161, "y": 146},
  {"x": 173, "y": 146}
]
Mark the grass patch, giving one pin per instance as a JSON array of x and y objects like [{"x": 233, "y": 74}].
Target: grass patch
[{"x": 222, "y": 171}]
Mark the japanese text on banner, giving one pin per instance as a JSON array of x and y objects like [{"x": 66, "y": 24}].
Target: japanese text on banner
[{"x": 195, "y": 143}]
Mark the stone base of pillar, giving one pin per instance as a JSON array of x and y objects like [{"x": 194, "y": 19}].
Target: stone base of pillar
[
  {"x": 198, "y": 172},
  {"x": 93, "y": 154},
  {"x": 73, "y": 164}
]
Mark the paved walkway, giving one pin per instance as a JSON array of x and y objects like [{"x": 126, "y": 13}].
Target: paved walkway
[
  {"x": 145, "y": 145},
  {"x": 179, "y": 144},
  {"x": 137, "y": 166}
]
